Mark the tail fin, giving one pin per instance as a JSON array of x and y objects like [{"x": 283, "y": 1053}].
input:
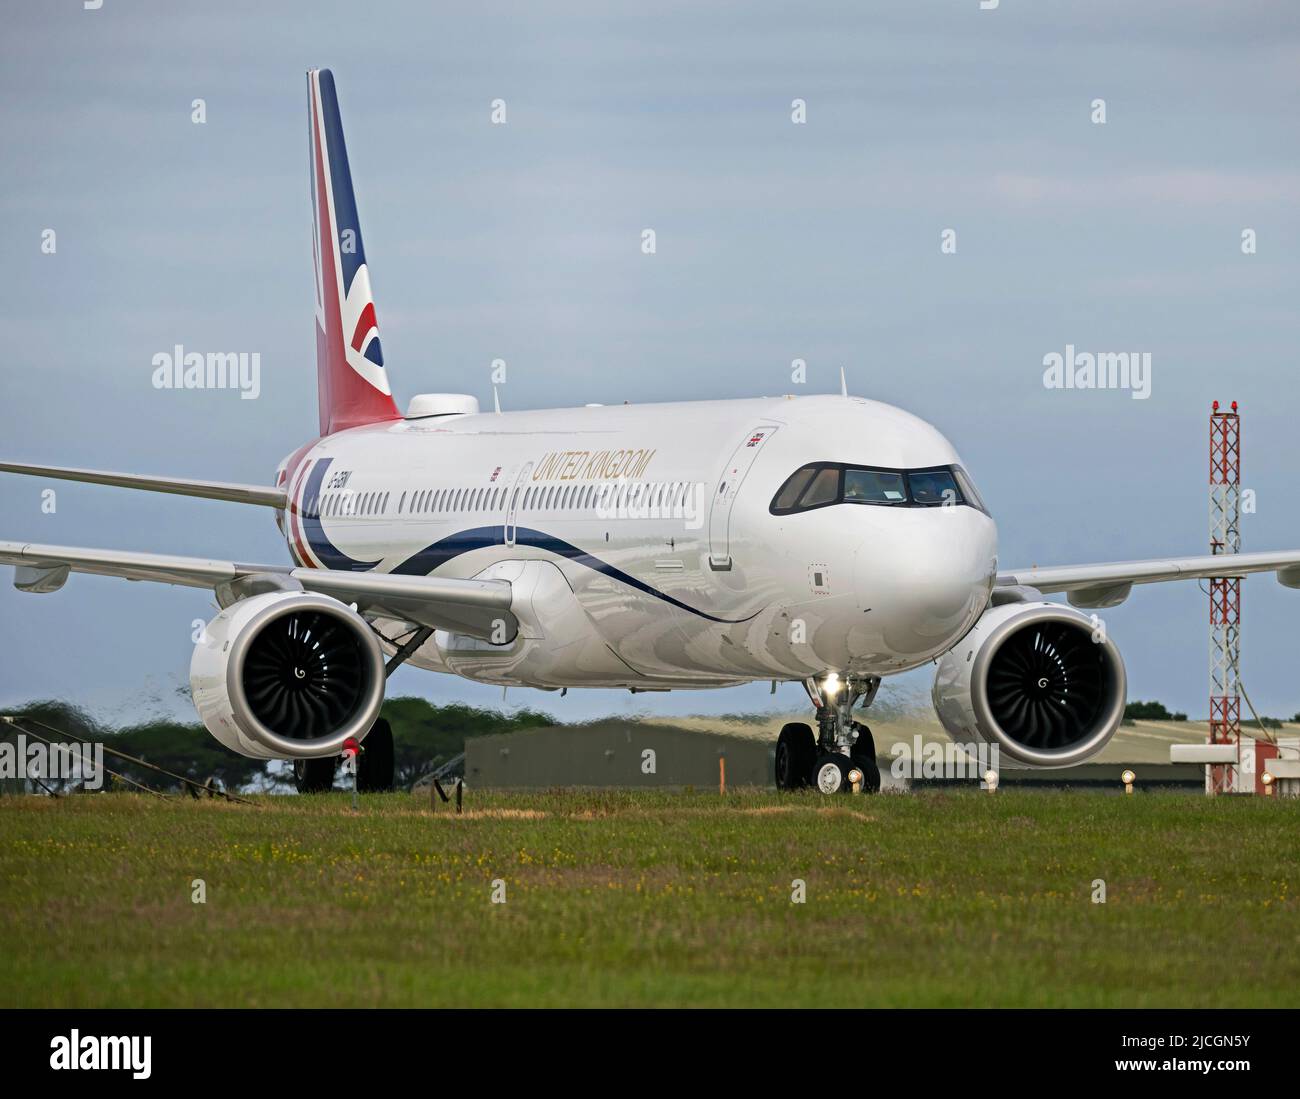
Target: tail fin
[{"x": 351, "y": 379}]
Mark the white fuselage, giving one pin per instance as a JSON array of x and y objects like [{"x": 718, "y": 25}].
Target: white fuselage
[{"x": 640, "y": 543}]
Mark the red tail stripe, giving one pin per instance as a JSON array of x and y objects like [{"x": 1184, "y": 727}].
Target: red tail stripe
[{"x": 364, "y": 324}]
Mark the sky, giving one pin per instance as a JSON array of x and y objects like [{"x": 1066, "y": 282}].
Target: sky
[{"x": 776, "y": 240}]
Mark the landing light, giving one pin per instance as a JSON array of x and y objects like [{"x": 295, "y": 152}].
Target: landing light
[{"x": 832, "y": 685}]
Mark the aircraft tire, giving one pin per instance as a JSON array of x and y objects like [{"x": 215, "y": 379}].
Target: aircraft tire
[{"x": 796, "y": 750}]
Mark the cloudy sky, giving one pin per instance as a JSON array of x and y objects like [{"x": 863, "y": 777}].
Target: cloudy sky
[{"x": 776, "y": 241}]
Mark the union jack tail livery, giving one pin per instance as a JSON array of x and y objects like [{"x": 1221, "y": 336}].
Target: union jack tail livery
[{"x": 352, "y": 383}]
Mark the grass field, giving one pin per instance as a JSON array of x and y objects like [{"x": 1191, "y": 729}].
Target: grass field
[{"x": 936, "y": 899}]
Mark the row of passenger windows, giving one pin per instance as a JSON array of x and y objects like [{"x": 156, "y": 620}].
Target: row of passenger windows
[
  {"x": 825, "y": 483},
  {"x": 352, "y": 503},
  {"x": 665, "y": 496}
]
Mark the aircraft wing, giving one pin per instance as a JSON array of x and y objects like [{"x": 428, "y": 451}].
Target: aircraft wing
[
  {"x": 477, "y": 608},
  {"x": 1108, "y": 584},
  {"x": 178, "y": 486}
]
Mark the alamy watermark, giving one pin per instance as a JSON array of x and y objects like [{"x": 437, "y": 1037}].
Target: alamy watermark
[
  {"x": 118, "y": 1053},
  {"x": 1129, "y": 370},
  {"x": 934, "y": 760},
  {"x": 78, "y": 762},
  {"x": 181, "y": 369},
  {"x": 622, "y": 499}
]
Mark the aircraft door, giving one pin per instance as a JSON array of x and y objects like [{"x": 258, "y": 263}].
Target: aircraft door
[
  {"x": 724, "y": 496},
  {"x": 513, "y": 500}
]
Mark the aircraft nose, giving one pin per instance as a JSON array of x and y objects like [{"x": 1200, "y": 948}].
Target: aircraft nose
[{"x": 923, "y": 576}]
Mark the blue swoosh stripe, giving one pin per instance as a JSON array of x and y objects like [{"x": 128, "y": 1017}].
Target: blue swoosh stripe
[
  {"x": 442, "y": 551},
  {"x": 330, "y": 555}
]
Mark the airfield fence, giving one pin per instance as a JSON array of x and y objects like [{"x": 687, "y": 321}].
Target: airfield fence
[{"x": 192, "y": 786}]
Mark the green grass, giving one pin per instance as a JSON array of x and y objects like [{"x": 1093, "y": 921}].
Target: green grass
[{"x": 622, "y": 899}]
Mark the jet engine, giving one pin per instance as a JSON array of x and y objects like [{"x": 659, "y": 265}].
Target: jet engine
[
  {"x": 287, "y": 675},
  {"x": 1040, "y": 681}
]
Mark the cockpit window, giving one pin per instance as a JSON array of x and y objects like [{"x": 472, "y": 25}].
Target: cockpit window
[
  {"x": 934, "y": 487},
  {"x": 825, "y": 483},
  {"x": 968, "y": 489},
  {"x": 825, "y": 489},
  {"x": 874, "y": 486},
  {"x": 789, "y": 494}
]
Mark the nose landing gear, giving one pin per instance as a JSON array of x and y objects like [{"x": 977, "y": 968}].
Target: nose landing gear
[{"x": 842, "y": 757}]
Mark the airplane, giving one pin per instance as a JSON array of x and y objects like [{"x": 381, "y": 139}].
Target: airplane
[{"x": 826, "y": 540}]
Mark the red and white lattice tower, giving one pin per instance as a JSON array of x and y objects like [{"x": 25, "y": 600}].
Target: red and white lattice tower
[{"x": 1225, "y": 594}]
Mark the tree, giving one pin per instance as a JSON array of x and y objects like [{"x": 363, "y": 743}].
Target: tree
[
  {"x": 1150, "y": 711},
  {"x": 424, "y": 735}
]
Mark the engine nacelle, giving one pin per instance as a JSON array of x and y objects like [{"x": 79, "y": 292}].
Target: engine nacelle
[
  {"x": 1036, "y": 679},
  {"x": 287, "y": 675}
]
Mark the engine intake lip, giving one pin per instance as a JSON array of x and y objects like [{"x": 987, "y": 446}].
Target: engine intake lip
[
  {"x": 369, "y": 696},
  {"x": 1102, "y": 721}
]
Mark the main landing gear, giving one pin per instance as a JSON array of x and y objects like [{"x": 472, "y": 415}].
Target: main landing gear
[
  {"x": 842, "y": 756},
  {"x": 316, "y": 776}
]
